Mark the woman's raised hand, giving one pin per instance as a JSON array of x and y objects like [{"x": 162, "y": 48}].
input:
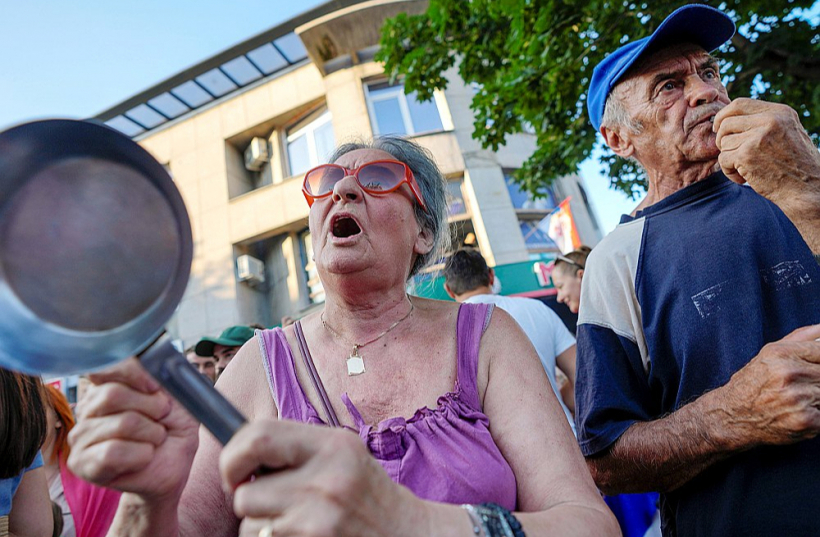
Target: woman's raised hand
[
  {"x": 132, "y": 436},
  {"x": 297, "y": 479}
]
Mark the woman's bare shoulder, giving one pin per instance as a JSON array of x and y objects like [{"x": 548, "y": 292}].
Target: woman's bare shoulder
[
  {"x": 435, "y": 307},
  {"x": 245, "y": 382}
]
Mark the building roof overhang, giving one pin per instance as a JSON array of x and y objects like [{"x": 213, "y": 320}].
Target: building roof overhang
[
  {"x": 348, "y": 36},
  {"x": 249, "y": 62}
]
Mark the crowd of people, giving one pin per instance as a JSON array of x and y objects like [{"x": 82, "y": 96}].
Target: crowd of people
[{"x": 691, "y": 390}]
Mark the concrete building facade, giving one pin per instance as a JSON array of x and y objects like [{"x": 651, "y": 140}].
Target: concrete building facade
[{"x": 238, "y": 131}]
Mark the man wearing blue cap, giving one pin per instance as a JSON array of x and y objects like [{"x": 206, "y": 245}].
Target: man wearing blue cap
[{"x": 693, "y": 378}]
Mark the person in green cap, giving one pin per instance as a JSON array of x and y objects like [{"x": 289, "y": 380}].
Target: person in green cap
[{"x": 225, "y": 346}]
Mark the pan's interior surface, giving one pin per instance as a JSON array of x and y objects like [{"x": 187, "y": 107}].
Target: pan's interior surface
[
  {"x": 95, "y": 254},
  {"x": 89, "y": 244},
  {"x": 95, "y": 247}
]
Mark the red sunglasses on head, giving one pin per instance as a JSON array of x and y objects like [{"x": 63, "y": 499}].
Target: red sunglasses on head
[{"x": 377, "y": 177}]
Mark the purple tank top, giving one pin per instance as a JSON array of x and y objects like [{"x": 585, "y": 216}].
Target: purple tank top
[{"x": 444, "y": 454}]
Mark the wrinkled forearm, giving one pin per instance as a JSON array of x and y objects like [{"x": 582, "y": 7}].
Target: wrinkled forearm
[
  {"x": 570, "y": 520},
  {"x": 805, "y": 215},
  {"x": 664, "y": 454},
  {"x": 136, "y": 518},
  {"x": 799, "y": 193},
  {"x": 567, "y": 519}
]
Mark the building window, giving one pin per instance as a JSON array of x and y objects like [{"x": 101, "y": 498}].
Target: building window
[
  {"x": 456, "y": 205},
  {"x": 393, "y": 112},
  {"x": 316, "y": 291},
  {"x": 462, "y": 235},
  {"x": 531, "y": 212},
  {"x": 310, "y": 142},
  {"x": 535, "y": 235},
  {"x": 521, "y": 199}
]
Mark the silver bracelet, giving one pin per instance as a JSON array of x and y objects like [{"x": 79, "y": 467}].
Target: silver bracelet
[
  {"x": 492, "y": 520},
  {"x": 475, "y": 520}
]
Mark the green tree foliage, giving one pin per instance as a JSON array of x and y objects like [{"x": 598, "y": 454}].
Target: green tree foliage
[{"x": 531, "y": 61}]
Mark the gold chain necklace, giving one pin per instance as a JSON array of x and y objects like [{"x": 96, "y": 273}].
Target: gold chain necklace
[{"x": 355, "y": 362}]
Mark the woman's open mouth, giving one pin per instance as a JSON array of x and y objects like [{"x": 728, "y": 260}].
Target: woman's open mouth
[{"x": 344, "y": 226}]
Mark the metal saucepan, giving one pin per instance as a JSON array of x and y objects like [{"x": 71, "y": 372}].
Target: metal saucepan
[{"x": 95, "y": 254}]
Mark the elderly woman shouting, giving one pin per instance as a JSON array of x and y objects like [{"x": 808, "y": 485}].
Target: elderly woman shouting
[{"x": 384, "y": 414}]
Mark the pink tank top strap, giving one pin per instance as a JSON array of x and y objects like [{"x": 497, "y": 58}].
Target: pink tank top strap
[
  {"x": 284, "y": 385},
  {"x": 473, "y": 320},
  {"x": 333, "y": 420}
]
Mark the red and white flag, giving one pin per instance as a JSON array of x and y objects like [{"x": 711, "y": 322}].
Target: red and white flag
[{"x": 560, "y": 226}]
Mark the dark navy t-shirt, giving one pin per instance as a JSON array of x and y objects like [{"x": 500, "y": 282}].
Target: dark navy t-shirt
[{"x": 674, "y": 302}]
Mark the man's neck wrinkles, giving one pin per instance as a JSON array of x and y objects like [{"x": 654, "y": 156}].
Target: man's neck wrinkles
[{"x": 664, "y": 183}]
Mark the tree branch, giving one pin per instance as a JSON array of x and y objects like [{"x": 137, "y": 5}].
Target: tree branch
[{"x": 807, "y": 68}]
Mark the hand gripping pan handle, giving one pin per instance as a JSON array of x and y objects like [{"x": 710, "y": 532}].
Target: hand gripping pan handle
[{"x": 191, "y": 389}]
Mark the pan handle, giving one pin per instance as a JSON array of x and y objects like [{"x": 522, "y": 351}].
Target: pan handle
[{"x": 191, "y": 389}]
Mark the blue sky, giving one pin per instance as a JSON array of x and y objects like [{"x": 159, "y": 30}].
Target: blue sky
[{"x": 75, "y": 59}]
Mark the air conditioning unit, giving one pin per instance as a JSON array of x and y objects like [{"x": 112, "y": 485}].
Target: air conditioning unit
[
  {"x": 257, "y": 154},
  {"x": 250, "y": 270}
]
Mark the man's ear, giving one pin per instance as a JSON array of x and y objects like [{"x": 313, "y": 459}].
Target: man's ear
[
  {"x": 492, "y": 277},
  {"x": 619, "y": 140},
  {"x": 449, "y": 291}
]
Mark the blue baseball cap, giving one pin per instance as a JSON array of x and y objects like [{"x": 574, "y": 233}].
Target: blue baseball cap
[{"x": 694, "y": 23}]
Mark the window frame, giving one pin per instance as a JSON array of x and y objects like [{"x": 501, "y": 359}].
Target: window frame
[
  {"x": 315, "y": 294},
  {"x": 529, "y": 215},
  {"x": 322, "y": 116},
  {"x": 467, "y": 212},
  {"x": 533, "y": 223},
  {"x": 407, "y": 118}
]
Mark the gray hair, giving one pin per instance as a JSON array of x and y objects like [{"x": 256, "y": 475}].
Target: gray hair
[
  {"x": 616, "y": 114},
  {"x": 431, "y": 183}
]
